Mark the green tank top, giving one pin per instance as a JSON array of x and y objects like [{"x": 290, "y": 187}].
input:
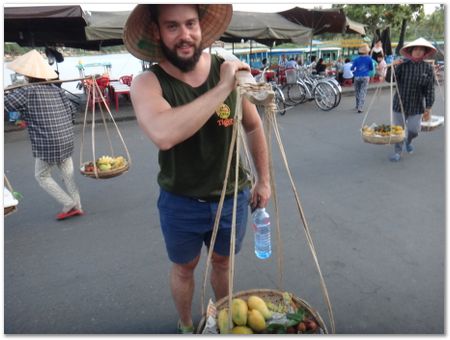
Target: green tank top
[{"x": 196, "y": 167}]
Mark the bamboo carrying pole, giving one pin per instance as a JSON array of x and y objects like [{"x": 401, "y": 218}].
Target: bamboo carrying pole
[
  {"x": 249, "y": 90},
  {"x": 56, "y": 81}
]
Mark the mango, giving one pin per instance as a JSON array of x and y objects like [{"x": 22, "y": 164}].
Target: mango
[
  {"x": 256, "y": 320},
  {"x": 222, "y": 321},
  {"x": 255, "y": 302},
  {"x": 239, "y": 311},
  {"x": 241, "y": 330},
  {"x": 104, "y": 167}
]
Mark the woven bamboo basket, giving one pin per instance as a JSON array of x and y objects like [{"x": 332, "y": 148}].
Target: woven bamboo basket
[
  {"x": 379, "y": 139},
  {"x": 10, "y": 210},
  {"x": 434, "y": 123},
  {"x": 105, "y": 173},
  {"x": 274, "y": 296}
]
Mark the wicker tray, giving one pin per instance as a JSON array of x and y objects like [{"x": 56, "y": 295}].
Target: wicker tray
[
  {"x": 274, "y": 296},
  {"x": 378, "y": 139},
  {"x": 10, "y": 210},
  {"x": 431, "y": 125},
  {"x": 105, "y": 173}
]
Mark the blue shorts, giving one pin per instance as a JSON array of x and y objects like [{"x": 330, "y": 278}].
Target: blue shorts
[{"x": 187, "y": 223}]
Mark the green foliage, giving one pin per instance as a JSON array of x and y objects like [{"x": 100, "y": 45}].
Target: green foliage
[
  {"x": 432, "y": 27},
  {"x": 14, "y": 50},
  {"x": 382, "y": 16}
]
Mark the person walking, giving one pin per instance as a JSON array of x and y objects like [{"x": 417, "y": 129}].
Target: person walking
[
  {"x": 48, "y": 114},
  {"x": 361, "y": 68},
  {"x": 186, "y": 106},
  {"x": 415, "y": 84}
]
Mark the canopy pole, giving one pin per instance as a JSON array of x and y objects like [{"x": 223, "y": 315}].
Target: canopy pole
[{"x": 250, "y": 55}]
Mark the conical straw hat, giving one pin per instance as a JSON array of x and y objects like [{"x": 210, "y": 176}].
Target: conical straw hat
[
  {"x": 407, "y": 49},
  {"x": 32, "y": 64},
  {"x": 139, "y": 39}
]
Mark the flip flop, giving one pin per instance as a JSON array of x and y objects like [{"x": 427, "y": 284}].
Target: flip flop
[{"x": 70, "y": 213}]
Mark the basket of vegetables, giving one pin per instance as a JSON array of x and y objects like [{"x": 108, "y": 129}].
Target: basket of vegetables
[
  {"x": 105, "y": 167},
  {"x": 262, "y": 311},
  {"x": 383, "y": 134}
]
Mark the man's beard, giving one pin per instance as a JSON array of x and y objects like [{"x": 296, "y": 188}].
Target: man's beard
[{"x": 185, "y": 65}]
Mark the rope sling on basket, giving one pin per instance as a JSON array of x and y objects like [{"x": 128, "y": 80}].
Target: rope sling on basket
[
  {"x": 377, "y": 133},
  {"x": 104, "y": 166},
  {"x": 218, "y": 316},
  {"x": 435, "y": 121},
  {"x": 10, "y": 198}
]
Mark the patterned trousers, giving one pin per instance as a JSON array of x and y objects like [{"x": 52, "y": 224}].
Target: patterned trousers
[
  {"x": 43, "y": 175},
  {"x": 361, "y": 85},
  {"x": 412, "y": 128}
]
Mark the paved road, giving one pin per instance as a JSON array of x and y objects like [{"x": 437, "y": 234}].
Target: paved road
[{"x": 378, "y": 228}]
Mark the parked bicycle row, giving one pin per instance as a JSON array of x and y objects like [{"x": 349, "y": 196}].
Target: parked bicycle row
[{"x": 296, "y": 86}]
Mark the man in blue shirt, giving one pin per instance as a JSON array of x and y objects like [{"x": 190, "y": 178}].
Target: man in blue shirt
[{"x": 362, "y": 66}]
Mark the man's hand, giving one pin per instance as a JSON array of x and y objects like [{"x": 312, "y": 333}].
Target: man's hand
[
  {"x": 228, "y": 71},
  {"x": 260, "y": 195}
]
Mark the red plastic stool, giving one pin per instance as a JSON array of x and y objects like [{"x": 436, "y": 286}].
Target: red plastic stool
[{"x": 347, "y": 82}]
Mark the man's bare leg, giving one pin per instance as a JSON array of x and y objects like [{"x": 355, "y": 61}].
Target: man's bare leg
[
  {"x": 219, "y": 275},
  {"x": 182, "y": 287}
]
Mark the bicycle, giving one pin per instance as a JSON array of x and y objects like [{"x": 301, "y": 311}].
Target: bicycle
[
  {"x": 280, "y": 100},
  {"x": 326, "y": 92}
]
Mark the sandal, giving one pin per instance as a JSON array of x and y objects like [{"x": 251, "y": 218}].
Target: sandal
[{"x": 70, "y": 213}]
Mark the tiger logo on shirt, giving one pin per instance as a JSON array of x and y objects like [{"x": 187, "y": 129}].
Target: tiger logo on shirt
[{"x": 224, "y": 112}]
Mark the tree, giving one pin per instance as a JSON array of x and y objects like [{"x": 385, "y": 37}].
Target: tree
[
  {"x": 382, "y": 16},
  {"x": 433, "y": 26}
]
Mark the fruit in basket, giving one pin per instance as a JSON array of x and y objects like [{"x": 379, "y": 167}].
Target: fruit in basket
[
  {"x": 104, "y": 160},
  {"x": 118, "y": 162},
  {"x": 89, "y": 167},
  {"x": 311, "y": 325},
  {"x": 382, "y": 130},
  {"x": 105, "y": 163},
  {"x": 256, "y": 320},
  {"x": 255, "y": 302},
  {"x": 239, "y": 310},
  {"x": 301, "y": 327},
  {"x": 222, "y": 321},
  {"x": 104, "y": 167},
  {"x": 241, "y": 330}
]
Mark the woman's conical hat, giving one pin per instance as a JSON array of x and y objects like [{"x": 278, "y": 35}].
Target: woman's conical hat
[
  {"x": 33, "y": 65},
  {"x": 407, "y": 49}
]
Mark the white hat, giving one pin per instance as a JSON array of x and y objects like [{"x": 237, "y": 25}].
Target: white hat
[
  {"x": 407, "y": 49},
  {"x": 33, "y": 65},
  {"x": 364, "y": 49}
]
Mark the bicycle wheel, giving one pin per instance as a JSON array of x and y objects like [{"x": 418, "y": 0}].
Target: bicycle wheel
[
  {"x": 280, "y": 101},
  {"x": 294, "y": 93},
  {"x": 338, "y": 89},
  {"x": 325, "y": 96}
]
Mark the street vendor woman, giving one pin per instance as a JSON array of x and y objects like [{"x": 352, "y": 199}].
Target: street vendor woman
[
  {"x": 186, "y": 106},
  {"x": 48, "y": 114},
  {"x": 415, "y": 83}
]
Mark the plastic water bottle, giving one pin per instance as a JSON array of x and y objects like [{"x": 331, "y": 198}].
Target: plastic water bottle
[{"x": 261, "y": 227}]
